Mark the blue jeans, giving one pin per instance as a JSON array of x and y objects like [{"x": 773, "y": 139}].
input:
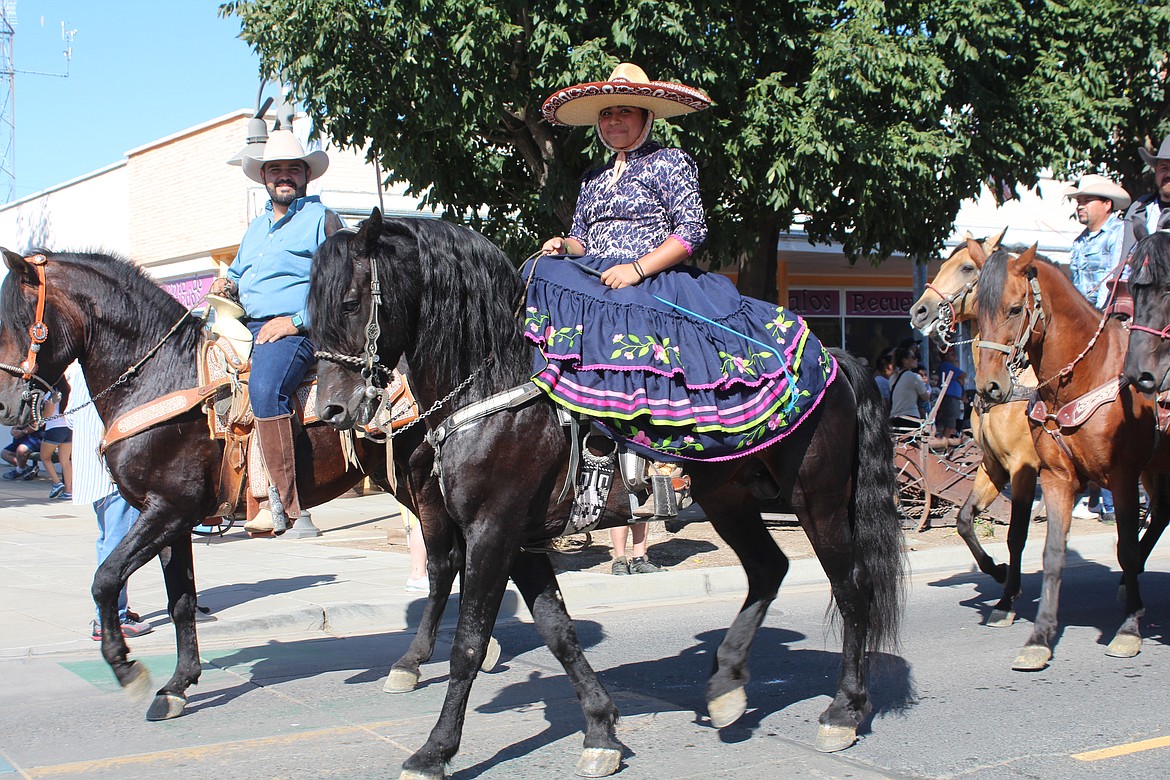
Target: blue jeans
[
  {"x": 1106, "y": 500},
  {"x": 277, "y": 370},
  {"x": 114, "y": 518}
]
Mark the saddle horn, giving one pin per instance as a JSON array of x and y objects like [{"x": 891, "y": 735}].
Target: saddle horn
[{"x": 227, "y": 324}]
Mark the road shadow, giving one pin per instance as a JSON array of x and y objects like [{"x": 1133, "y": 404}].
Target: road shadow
[
  {"x": 1089, "y": 598},
  {"x": 667, "y": 553},
  {"x": 221, "y": 597},
  {"x": 780, "y": 678}
]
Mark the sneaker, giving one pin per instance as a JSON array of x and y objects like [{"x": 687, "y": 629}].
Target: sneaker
[
  {"x": 57, "y": 489},
  {"x": 418, "y": 585},
  {"x": 65, "y": 496},
  {"x": 32, "y": 471},
  {"x": 1081, "y": 511},
  {"x": 643, "y": 565},
  {"x": 1107, "y": 518},
  {"x": 620, "y": 566},
  {"x": 133, "y": 628}
]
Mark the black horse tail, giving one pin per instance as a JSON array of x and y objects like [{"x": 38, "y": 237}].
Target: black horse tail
[{"x": 876, "y": 527}]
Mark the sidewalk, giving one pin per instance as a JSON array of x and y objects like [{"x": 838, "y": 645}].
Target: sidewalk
[{"x": 273, "y": 588}]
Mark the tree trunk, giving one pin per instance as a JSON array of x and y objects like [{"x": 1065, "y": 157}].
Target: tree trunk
[{"x": 757, "y": 273}]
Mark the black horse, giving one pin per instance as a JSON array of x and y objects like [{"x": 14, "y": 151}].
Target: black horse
[
  {"x": 106, "y": 313},
  {"x": 447, "y": 301}
]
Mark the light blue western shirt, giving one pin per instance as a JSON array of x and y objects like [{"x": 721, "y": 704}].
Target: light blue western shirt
[
  {"x": 1094, "y": 256},
  {"x": 274, "y": 260}
]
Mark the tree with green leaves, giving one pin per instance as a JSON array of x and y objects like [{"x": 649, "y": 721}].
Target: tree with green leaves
[{"x": 866, "y": 122}]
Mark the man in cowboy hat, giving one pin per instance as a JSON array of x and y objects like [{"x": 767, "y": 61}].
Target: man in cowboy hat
[
  {"x": 1096, "y": 252},
  {"x": 270, "y": 278},
  {"x": 1151, "y": 212}
]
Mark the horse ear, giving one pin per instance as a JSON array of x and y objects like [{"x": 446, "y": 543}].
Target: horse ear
[
  {"x": 993, "y": 243},
  {"x": 976, "y": 251},
  {"x": 371, "y": 229},
  {"x": 1028, "y": 255},
  {"x": 19, "y": 266}
]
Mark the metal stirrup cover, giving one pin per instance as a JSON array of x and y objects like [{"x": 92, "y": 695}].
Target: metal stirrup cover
[{"x": 633, "y": 468}]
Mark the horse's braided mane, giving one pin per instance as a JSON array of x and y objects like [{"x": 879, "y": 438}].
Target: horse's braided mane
[{"x": 1150, "y": 261}]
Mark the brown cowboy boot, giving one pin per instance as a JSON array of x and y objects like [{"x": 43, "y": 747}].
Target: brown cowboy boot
[{"x": 279, "y": 453}]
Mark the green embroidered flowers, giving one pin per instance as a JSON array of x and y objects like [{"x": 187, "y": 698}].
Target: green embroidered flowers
[
  {"x": 631, "y": 346},
  {"x": 749, "y": 365}
]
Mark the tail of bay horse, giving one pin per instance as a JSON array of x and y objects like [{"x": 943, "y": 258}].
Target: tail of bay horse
[
  {"x": 446, "y": 301},
  {"x": 1002, "y": 431}
]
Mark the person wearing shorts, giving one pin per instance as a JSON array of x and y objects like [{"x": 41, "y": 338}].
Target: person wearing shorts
[{"x": 58, "y": 438}]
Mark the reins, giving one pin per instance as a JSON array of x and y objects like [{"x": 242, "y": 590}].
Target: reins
[{"x": 39, "y": 333}]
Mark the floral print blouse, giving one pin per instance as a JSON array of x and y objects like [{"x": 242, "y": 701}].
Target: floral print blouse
[{"x": 656, "y": 197}]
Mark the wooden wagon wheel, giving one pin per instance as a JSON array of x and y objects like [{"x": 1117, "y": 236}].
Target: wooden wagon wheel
[{"x": 914, "y": 498}]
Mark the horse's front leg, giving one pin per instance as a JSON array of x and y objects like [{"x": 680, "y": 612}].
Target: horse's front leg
[
  {"x": 983, "y": 492},
  {"x": 534, "y": 576},
  {"x": 444, "y": 561},
  {"x": 1060, "y": 490},
  {"x": 1128, "y": 641},
  {"x": 178, "y": 565},
  {"x": 1023, "y": 491},
  {"x": 145, "y": 540},
  {"x": 492, "y": 545}
]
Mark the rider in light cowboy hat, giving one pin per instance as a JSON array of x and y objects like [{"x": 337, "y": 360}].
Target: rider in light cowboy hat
[{"x": 270, "y": 276}]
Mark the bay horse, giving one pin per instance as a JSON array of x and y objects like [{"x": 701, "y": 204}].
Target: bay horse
[
  {"x": 108, "y": 314},
  {"x": 1002, "y": 431},
  {"x": 447, "y": 299},
  {"x": 1087, "y": 424}
]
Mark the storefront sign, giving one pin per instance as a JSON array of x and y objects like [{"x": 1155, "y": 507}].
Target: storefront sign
[
  {"x": 189, "y": 292},
  {"x": 815, "y": 303},
  {"x": 878, "y": 303}
]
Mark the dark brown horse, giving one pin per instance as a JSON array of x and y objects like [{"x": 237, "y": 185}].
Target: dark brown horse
[
  {"x": 447, "y": 300},
  {"x": 1002, "y": 431},
  {"x": 1147, "y": 365},
  {"x": 107, "y": 314},
  {"x": 1084, "y": 426}
]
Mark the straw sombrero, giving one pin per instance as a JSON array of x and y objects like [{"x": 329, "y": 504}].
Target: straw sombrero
[
  {"x": 1100, "y": 187},
  {"x": 283, "y": 145},
  {"x": 628, "y": 86}
]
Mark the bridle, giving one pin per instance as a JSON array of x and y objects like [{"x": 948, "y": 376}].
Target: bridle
[
  {"x": 38, "y": 332},
  {"x": 1017, "y": 356},
  {"x": 32, "y": 395},
  {"x": 945, "y": 311}
]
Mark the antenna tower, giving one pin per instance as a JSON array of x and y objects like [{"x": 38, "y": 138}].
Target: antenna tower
[{"x": 8, "y": 73}]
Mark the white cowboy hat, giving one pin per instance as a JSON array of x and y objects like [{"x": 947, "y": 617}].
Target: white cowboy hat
[
  {"x": 1152, "y": 159},
  {"x": 1100, "y": 187},
  {"x": 283, "y": 145},
  {"x": 627, "y": 86}
]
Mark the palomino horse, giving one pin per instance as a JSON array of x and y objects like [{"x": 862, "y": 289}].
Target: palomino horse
[
  {"x": 107, "y": 314},
  {"x": 1086, "y": 427},
  {"x": 446, "y": 298},
  {"x": 1002, "y": 431}
]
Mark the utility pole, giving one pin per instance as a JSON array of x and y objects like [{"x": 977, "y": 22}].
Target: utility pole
[{"x": 8, "y": 71}]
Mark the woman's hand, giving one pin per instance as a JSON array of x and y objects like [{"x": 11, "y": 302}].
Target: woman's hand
[
  {"x": 556, "y": 246},
  {"x": 619, "y": 276}
]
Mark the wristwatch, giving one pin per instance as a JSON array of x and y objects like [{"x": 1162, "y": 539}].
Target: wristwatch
[{"x": 298, "y": 322}]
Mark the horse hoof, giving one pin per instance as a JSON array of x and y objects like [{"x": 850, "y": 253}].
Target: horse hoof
[
  {"x": 492, "y": 657},
  {"x": 598, "y": 762},
  {"x": 1032, "y": 658},
  {"x": 1124, "y": 646},
  {"x": 166, "y": 706},
  {"x": 1001, "y": 618},
  {"x": 830, "y": 739},
  {"x": 414, "y": 774},
  {"x": 726, "y": 708},
  {"x": 138, "y": 684},
  {"x": 400, "y": 681}
]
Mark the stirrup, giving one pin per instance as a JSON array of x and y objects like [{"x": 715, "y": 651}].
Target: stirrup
[{"x": 668, "y": 494}]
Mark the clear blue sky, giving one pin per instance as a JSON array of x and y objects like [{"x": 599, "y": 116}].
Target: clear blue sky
[{"x": 141, "y": 70}]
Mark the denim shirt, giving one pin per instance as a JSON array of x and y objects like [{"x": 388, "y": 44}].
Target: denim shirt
[
  {"x": 273, "y": 262},
  {"x": 1094, "y": 256}
]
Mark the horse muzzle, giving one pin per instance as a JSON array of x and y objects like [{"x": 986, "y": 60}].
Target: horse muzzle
[{"x": 349, "y": 410}]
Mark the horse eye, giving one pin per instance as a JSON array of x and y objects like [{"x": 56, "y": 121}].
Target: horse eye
[
  {"x": 351, "y": 307},
  {"x": 1015, "y": 310}
]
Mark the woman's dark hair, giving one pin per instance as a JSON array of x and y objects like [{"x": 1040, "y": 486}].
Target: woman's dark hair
[{"x": 903, "y": 352}]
